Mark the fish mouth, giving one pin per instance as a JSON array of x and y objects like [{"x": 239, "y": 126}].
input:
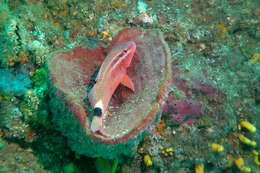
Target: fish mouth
[{"x": 131, "y": 45}]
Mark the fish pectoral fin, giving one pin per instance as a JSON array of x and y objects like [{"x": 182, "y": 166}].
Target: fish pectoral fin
[{"x": 126, "y": 81}]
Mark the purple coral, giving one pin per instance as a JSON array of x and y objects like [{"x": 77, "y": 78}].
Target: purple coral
[{"x": 187, "y": 109}]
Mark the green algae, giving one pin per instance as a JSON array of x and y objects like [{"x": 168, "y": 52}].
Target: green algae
[{"x": 40, "y": 79}]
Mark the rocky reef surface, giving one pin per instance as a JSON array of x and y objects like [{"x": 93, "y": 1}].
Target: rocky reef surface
[{"x": 210, "y": 121}]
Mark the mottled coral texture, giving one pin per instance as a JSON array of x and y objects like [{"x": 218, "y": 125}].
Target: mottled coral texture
[{"x": 14, "y": 82}]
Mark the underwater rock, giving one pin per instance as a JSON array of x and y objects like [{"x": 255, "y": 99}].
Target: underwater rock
[
  {"x": 15, "y": 158},
  {"x": 11, "y": 121},
  {"x": 71, "y": 76}
]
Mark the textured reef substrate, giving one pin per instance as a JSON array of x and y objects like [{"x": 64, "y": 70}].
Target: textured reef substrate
[{"x": 213, "y": 102}]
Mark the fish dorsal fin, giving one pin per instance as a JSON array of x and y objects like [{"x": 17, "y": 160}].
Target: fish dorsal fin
[
  {"x": 126, "y": 81},
  {"x": 91, "y": 96},
  {"x": 100, "y": 74}
]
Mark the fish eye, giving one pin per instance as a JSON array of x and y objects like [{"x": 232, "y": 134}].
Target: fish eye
[
  {"x": 97, "y": 111},
  {"x": 123, "y": 53}
]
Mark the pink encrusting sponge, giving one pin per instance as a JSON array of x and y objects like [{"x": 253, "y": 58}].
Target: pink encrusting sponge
[{"x": 129, "y": 114}]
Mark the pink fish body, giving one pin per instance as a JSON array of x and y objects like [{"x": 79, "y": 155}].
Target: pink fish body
[{"x": 112, "y": 72}]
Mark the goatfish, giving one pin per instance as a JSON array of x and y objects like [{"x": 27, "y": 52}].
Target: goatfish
[{"x": 112, "y": 73}]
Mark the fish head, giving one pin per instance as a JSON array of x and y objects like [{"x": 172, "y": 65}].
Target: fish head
[{"x": 123, "y": 53}]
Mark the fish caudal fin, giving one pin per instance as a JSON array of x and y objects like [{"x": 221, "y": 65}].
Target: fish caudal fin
[
  {"x": 96, "y": 124},
  {"x": 126, "y": 81}
]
